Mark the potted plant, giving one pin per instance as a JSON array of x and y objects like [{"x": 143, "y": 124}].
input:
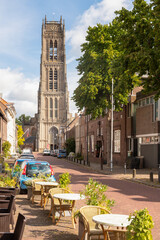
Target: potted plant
[
  {"x": 140, "y": 226},
  {"x": 64, "y": 180},
  {"x": 28, "y": 183},
  {"x": 94, "y": 193}
]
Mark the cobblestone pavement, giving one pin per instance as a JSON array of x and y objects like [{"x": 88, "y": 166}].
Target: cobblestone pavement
[{"x": 128, "y": 196}]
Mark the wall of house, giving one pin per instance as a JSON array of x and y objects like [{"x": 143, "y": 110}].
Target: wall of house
[
  {"x": 144, "y": 120},
  {"x": 151, "y": 152}
]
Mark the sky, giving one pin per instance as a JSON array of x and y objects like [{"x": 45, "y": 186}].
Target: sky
[{"x": 20, "y": 43}]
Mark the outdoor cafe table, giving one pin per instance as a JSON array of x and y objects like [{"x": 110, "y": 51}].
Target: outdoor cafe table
[
  {"x": 111, "y": 220},
  {"x": 44, "y": 186},
  {"x": 73, "y": 197}
]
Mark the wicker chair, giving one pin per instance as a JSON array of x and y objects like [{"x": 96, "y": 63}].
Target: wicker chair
[
  {"x": 36, "y": 189},
  {"x": 55, "y": 203},
  {"x": 87, "y": 227},
  {"x": 18, "y": 231},
  {"x": 46, "y": 195},
  {"x": 6, "y": 216}
]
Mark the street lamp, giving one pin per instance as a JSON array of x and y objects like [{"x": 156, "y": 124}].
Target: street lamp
[
  {"x": 111, "y": 160},
  {"x": 87, "y": 142}
]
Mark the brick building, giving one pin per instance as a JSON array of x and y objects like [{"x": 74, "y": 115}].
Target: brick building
[{"x": 136, "y": 133}]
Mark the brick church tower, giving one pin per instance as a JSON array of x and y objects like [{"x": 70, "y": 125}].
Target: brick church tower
[{"x": 53, "y": 96}]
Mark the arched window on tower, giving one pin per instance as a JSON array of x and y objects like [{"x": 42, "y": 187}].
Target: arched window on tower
[
  {"x": 56, "y": 107},
  {"x": 55, "y": 79},
  {"x": 51, "y": 79},
  {"x": 51, "y": 50},
  {"x": 46, "y": 108},
  {"x": 51, "y": 108},
  {"x": 55, "y": 49}
]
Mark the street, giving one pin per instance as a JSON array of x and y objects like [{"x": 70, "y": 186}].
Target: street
[{"x": 128, "y": 196}]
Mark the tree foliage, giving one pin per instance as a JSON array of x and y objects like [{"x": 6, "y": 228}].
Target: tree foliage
[
  {"x": 70, "y": 145},
  {"x": 126, "y": 50},
  {"x": 22, "y": 119},
  {"x": 6, "y": 148},
  {"x": 20, "y": 134}
]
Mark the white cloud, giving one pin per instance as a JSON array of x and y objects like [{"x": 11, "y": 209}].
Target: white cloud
[
  {"x": 22, "y": 91},
  {"x": 102, "y": 12}
]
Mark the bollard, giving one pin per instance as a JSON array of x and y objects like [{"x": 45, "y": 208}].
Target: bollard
[
  {"x": 151, "y": 176},
  {"x": 134, "y": 173},
  {"x": 125, "y": 168}
]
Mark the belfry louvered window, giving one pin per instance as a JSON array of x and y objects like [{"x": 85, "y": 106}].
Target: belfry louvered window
[
  {"x": 55, "y": 79},
  {"x": 51, "y": 50},
  {"x": 55, "y": 49},
  {"x": 56, "y": 107},
  {"x": 50, "y": 78},
  {"x": 51, "y": 108}
]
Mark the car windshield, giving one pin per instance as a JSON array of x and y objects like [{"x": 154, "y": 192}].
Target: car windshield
[
  {"x": 35, "y": 169},
  {"x": 62, "y": 151},
  {"x": 26, "y": 156}
]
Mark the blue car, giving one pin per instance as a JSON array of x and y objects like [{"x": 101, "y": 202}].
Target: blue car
[
  {"x": 61, "y": 153},
  {"x": 30, "y": 169},
  {"x": 19, "y": 162}
]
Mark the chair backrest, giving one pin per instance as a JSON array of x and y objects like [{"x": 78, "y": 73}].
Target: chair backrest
[
  {"x": 19, "y": 228},
  {"x": 10, "y": 205},
  {"x": 36, "y": 186},
  {"x": 89, "y": 211},
  {"x": 5, "y": 191},
  {"x": 53, "y": 191}
]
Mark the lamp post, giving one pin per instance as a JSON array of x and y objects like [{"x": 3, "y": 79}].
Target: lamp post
[
  {"x": 111, "y": 160},
  {"x": 87, "y": 143}
]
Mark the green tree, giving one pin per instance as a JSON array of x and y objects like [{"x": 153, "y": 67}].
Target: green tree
[
  {"x": 20, "y": 134},
  {"x": 140, "y": 40},
  {"x": 6, "y": 148},
  {"x": 70, "y": 145},
  {"x": 98, "y": 66},
  {"x": 22, "y": 119}
]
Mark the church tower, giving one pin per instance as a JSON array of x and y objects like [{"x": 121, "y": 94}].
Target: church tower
[{"x": 53, "y": 97}]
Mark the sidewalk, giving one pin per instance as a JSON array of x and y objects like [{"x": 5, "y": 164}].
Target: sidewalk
[{"x": 142, "y": 175}]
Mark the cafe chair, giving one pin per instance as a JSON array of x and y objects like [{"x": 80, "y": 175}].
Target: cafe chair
[
  {"x": 18, "y": 231},
  {"x": 117, "y": 234},
  {"x": 36, "y": 189},
  {"x": 59, "y": 206},
  {"x": 4, "y": 191},
  {"x": 88, "y": 228},
  {"x": 46, "y": 195},
  {"x": 6, "y": 216}
]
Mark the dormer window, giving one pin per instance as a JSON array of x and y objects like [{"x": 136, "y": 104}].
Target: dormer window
[
  {"x": 55, "y": 49},
  {"x": 51, "y": 50}
]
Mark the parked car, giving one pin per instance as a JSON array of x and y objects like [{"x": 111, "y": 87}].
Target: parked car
[
  {"x": 30, "y": 169},
  {"x": 15, "y": 171},
  {"x": 61, "y": 153},
  {"x": 27, "y": 150},
  {"x": 26, "y": 156},
  {"x": 54, "y": 153},
  {"x": 46, "y": 152}
]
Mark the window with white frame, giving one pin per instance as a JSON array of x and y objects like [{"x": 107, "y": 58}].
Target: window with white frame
[
  {"x": 117, "y": 138},
  {"x": 92, "y": 143}
]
